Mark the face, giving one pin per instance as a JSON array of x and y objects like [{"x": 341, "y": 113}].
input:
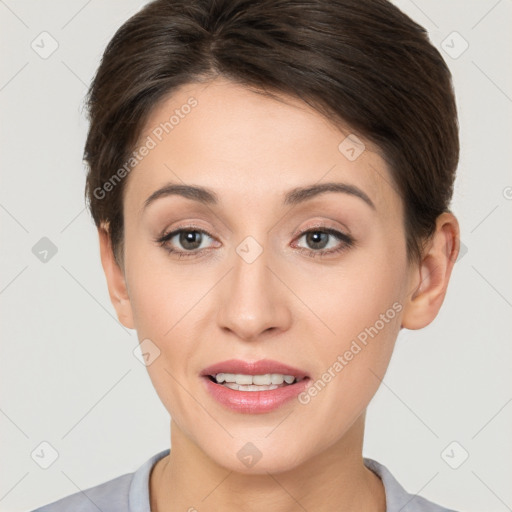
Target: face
[{"x": 253, "y": 270}]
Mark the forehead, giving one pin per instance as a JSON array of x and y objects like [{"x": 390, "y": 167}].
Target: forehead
[{"x": 231, "y": 139}]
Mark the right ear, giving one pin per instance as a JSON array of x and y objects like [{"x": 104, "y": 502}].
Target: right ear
[{"x": 116, "y": 282}]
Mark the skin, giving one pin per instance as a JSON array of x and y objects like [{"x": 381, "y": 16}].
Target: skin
[{"x": 286, "y": 305}]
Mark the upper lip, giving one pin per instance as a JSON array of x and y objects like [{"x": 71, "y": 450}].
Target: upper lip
[{"x": 261, "y": 367}]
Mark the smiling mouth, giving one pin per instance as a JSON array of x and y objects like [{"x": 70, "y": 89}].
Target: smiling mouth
[{"x": 245, "y": 382}]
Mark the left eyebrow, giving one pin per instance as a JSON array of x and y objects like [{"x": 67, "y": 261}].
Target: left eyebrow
[{"x": 301, "y": 194}]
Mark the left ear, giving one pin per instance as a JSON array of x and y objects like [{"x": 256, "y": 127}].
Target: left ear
[{"x": 429, "y": 279}]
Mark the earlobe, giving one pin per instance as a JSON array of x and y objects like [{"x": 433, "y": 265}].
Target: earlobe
[
  {"x": 115, "y": 280},
  {"x": 429, "y": 280}
]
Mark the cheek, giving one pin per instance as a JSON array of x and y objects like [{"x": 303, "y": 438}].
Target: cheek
[
  {"x": 358, "y": 317},
  {"x": 155, "y": 301},
  {"x": 352, "y": 357},
  {"x": 163, "y": 307},
  {"x": 159, "y": 294},
  {"x": 353, "y": 296},
  {"x": 167, "y": 302}
]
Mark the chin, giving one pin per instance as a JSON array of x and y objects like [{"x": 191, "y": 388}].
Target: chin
[{"x": 253, "y": 455}]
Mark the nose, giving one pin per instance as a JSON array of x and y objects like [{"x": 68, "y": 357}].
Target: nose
[{"x": 253, "y": 300}]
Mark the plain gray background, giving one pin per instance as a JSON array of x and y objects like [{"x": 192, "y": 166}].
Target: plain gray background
[{"x": 69, "y": 374}]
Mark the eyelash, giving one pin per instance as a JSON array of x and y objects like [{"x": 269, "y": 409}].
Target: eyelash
[{"x": 347, "y": 240}]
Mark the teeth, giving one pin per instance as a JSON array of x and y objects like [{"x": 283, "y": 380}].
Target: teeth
[
  {"x": 261, "y": 381},
  {"x": 264, "y": 380},
  {"x": 251, "y": 387},
  {"x": 243, "y": 379}
]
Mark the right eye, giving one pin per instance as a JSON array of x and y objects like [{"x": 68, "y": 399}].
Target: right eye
[{"x": 191, "y": 240}]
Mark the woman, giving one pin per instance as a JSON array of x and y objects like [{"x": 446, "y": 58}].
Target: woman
[{"x": 271, "y": 184}]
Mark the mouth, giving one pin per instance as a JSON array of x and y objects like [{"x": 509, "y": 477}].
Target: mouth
[
  {"x": 247, "y": 382},
  {"x": 254, "y": 387}
]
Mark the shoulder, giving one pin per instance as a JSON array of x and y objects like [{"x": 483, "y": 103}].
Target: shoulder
[
  {"x": 110, "y": 496},
  {"x": 126, "y": 493},
  {"x": 397, "y": 498}
]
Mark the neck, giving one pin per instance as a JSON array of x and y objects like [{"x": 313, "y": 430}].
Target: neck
[{"x": 333, "y": 480}]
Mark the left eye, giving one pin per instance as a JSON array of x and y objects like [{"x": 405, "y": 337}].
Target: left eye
[{"x": 319, "y": 243}]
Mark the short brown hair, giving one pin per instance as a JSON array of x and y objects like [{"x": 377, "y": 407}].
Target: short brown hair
[{"x": 362, "y": 63}]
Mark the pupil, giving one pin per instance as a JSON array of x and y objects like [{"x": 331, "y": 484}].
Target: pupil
[
  {"x": 188, "y": 237},
  {"x": 313, "y": 238}
]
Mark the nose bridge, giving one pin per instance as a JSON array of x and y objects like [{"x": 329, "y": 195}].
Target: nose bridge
[{"x": 251, "y": 304}]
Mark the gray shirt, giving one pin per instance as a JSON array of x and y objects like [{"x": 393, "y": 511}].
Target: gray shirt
[{"x": 130, "y": 493}]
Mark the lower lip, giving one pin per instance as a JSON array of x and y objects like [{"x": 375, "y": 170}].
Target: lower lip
[{"x": 254, "y": 402}]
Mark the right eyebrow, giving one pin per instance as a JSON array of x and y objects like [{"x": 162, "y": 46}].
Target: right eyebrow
[{"x": 200, "y": 194}]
